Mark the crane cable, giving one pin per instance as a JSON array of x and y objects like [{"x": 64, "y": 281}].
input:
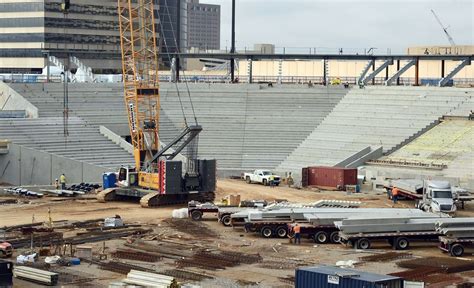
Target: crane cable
[
  {"x": 176, "y": 84},
  {"x": 176, "y": 45}
]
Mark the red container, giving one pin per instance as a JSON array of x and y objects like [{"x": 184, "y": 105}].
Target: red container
[{"x": 331, "y": 177}]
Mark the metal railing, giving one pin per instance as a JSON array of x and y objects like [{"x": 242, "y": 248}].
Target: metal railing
[{"x": 316, "y": 80}]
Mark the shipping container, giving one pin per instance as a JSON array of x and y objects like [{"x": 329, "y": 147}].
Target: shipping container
[
  {"x": 304, "y": 177},
  {"x": 332, "y": 277},
  {"x": 331, "y": 177}
]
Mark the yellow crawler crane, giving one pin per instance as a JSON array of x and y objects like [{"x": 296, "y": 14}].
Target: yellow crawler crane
[{"x": 155, "y": 179}]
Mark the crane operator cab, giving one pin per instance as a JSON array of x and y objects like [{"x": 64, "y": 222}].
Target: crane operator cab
[{"x": 127, "y": 177}]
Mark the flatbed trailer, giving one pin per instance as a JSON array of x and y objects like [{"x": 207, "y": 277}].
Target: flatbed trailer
[
  {"x": 197, "y": 211},
  {"x": 403, "y": 194},
  {"x": 398, "y": 240},
  {"x": 461, "y": 200},
  {"x": 410, "y": 195},
  {"x": 283, "y": 228},
  {"x": 455, "y": 246}
]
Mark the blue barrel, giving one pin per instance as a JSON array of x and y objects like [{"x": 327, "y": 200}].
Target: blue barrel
[
  {"x": 357, "y": 188},
  {"x": 75, "y": 261},
  {"x": 109, "y": 180}
]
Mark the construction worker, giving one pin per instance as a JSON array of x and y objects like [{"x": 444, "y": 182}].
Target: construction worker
[
  {"x": 297, "y": 231},
  {"x": 62, "y": 180},
  {"x": 290, "y": 180},
  {"x": 56, "y": 184},
  {"x": 271, "y": 179},
  {"x": 395, "y": 193}
]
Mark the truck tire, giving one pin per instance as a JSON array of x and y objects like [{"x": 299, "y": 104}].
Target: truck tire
[
  {"x": 282, "y": 232},
  {"x": 334, "y": 237},
  {"x": 363, "y": 244},
  {"x": 196, "y": 215},
  {"x": 266, "y": 232},
  {"x": 247, "y": 179},
  {"x": 226, "y": 220},
  {"x": 457, "y": 250},
  {"x": 264, "y": 182},
  {"x": 249, "y": 228},
  {"x": 321, "y": 237},
  {"x": 401, "y": 243}
]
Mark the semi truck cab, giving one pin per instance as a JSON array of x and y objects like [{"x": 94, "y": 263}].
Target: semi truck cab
[{"x": 438, "y": 197}]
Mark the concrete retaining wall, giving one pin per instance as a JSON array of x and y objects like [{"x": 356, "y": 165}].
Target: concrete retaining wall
[
  {"x": 11, "y": 100},
  {"x": 25, "y": 166}
]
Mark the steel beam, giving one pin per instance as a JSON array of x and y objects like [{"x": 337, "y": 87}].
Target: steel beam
[
  {"x": 377, "y": 71},
  {"x": 417, "y": 72},
  {"x": 400, "y": 72},
  {"x": 250, "y": 70},
  {"x": 260, "y": 56},
  {"x": 455, "y": 71},
  {"x": 325, "y": 73},
  {"x": 365, "y": 71}
]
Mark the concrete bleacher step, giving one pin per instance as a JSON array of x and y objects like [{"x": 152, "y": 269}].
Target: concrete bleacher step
[
  {"x": 84, "y": 143},
  {"x": 388, "y": 116},
  {"x": 247, "y": 126}
]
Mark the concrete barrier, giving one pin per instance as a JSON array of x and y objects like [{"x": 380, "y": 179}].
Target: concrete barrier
[{"x": 26, "y": 166}]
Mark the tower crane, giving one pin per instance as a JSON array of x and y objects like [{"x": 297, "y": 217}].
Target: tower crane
[
  {"x": 445, "y": 29},
  {"x": 156, "y": 178}
]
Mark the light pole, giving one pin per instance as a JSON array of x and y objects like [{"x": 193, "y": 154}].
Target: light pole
[{"x": 232, "y": 49}]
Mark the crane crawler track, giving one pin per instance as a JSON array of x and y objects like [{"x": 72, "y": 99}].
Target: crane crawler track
[{"x": 106, "y": 195}]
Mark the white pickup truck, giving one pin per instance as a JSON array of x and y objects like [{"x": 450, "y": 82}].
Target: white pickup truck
[{"x": 261, "y": 176}]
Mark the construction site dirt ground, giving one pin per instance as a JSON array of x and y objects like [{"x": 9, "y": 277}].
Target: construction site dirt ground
[{"x": 280, "y": 258}]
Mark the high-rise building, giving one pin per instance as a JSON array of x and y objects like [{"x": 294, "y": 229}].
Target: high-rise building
[
  {"x": 174, "y": 19},
  {"x": 204, "y": 25},
  {"x": 30, "y": 30}
]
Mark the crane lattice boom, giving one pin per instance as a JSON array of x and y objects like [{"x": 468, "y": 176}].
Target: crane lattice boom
[
  {"x": 140, "y": 77},
  {"x": 445, "y": 29}
]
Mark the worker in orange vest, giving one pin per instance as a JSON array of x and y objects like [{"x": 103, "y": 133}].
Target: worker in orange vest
[
  {"x": 297, "y": 231},
  {"x": 395, "y": 193}
]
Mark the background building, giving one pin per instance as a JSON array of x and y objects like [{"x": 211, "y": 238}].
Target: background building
[
  {"x": 32, "y": 29},
  {"x": 204, "y": 25}
]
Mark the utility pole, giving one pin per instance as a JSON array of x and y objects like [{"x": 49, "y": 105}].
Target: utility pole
[{"x": 232, "y": 49}]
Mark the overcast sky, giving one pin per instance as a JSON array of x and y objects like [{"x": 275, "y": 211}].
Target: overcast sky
[{"x": 331, "y": 24}]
